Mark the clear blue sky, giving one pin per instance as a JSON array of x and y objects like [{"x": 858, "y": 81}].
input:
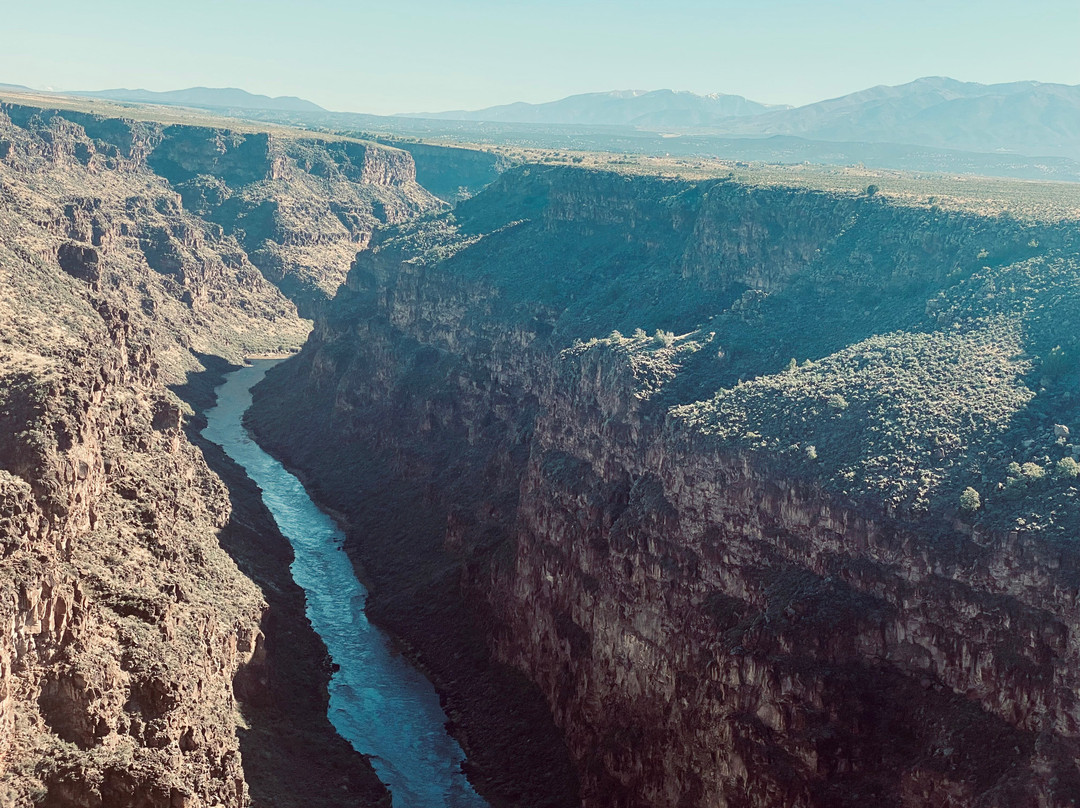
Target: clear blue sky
[{"x": 412, "y": 55}]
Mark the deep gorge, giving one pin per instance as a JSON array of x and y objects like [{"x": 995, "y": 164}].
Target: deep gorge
[
  {"x": 714, "y": 616},
  {"x": 663, "y": 482}
]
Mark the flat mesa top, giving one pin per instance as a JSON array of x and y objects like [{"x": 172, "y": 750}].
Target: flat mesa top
[
  {"x": 1029, "y": 200},
  {"x": 159, "y": 113}
]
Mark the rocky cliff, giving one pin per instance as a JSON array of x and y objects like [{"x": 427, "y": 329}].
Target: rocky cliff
[
  {"x": 803, "y": 537},
  {"x": 453, "y": 173},
  {"x": 298, "y": 207},
  {"x": 124, "y": 621},
  {"x": 139, "y": 664},
  {"x": 301, "y": 208}
]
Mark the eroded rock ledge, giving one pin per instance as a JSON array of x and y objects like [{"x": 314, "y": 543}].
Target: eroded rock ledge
[{"x": 124, "y": 620}]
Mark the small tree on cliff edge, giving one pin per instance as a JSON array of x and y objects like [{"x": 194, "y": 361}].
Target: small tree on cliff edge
[{"x": 970, "y": 500}]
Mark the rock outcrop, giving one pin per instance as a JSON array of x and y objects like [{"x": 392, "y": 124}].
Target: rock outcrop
[
  {"x": 715, "y": 632},
  {"x": 98, "y": 213},
  {"x": 453, "y": 173},
  {"x": 727, "y": 547},
  {"x": 299, "y": 207},
  {"x": 124, "y": 621},
  {"x": 139, "y": 666}
]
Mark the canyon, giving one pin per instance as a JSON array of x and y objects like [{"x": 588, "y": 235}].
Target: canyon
[
  {"x": 688, "y": 455},
  {"x": 682, "y": 490}
]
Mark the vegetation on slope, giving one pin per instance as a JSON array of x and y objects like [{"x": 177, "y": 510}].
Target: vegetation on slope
[{"x": 898, "y": 354}]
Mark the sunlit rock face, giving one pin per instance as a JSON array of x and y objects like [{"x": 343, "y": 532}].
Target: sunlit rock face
[
  {"x": 123, "y": 623},
  {"x": 295, "y": 209},
  {"x": 736, "y": 579}
]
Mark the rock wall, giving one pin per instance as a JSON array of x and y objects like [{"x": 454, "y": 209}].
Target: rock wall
[
  {"x": 709, "y": 632},
  {"x": 124, "y": 622},
  {"x": 709, "y": 623},
  {"x": 75, "y": 203},
  {"x": 453, "y": 173},
  {"x": 299, "y": 207},
  {"x": 138, "y": 665}
]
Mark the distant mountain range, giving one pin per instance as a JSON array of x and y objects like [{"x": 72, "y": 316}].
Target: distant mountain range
[
  {"x": 1024, "y": 117},
  {"x": 646, "y": 109},
  {"x": 207, "y": 98},
  {"x": 1020, "y": 129}
]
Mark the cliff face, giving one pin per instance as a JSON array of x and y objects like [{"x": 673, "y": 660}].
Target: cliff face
[
  {"x": 453, "y": 173},
  {"x": 736, "y": 579},
  {"x": 716, "y": 633},
  {"x": 123, "y": 623},
  {"x": 124, "y": 234},
  {"x": 299, "y": 208}
]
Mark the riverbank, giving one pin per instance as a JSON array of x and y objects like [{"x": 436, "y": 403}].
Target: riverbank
[{"x": 292, "y": 755}]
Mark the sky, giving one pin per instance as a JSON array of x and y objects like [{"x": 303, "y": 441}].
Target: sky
[{"x": 432, "y": 55}]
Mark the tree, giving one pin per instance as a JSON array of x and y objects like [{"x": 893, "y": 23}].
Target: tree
[
  {"x": 970, "y": 500},
  {"x": 663, "y": 339}
]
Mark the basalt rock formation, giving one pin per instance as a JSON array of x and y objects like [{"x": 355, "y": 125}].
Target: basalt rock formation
[
  {"x": 770, "y": 492},
  {"x": 298, "y": 208},
  {"x": 124, "y": 620},
  {"x": 134, "y": 649},
  {"x": 301, "y": 208}
]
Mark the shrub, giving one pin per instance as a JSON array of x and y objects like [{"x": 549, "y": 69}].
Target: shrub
[
  {"x": 970, "y": 500},
  {"x": 663, "y": 339},
  {"x": 837, "y": 402},
  {"x": 1033, "y": 471},
  {"x": 1068, "y": 468}
]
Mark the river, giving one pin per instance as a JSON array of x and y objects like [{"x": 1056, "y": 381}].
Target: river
[{"x": 379, "y": 702}]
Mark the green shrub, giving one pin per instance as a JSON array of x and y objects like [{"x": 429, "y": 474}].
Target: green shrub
[
  {"x": 663, "y": 339},
  {"x": 1033, "y": 471},
  {"x": 1067, "y": 468},
  {"x": 970, "y": 500}
]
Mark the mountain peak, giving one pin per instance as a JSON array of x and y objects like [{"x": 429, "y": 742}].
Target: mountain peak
[{"x": 644, "y": 108}]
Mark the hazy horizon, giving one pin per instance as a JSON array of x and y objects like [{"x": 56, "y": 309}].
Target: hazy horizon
[{"x": 423, "y": 56}]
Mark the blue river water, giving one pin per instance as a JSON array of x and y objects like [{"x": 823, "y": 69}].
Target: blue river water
[{"x": 379, "y": 702}]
